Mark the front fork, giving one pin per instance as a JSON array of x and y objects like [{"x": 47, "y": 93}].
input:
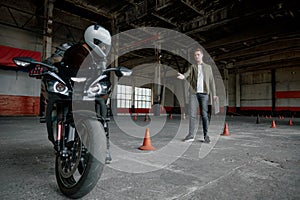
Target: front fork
[{"x": 59, "y": 140}]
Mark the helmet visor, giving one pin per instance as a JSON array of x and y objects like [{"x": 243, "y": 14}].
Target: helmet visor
[{"x": 105, "y": 48}]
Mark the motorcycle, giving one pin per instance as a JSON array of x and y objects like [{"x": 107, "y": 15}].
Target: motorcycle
[{"x": 77, "y": 127}]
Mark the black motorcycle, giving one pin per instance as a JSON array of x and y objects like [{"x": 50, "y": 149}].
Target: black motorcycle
[{"x": 76, "y": 122}]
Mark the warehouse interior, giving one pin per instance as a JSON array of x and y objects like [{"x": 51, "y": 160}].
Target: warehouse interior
[
  {"x": 254, "y": 44},
  {"x": 254, "y": 49}
]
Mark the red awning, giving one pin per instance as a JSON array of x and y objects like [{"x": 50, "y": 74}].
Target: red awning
[{"x": 8, "y": 53}]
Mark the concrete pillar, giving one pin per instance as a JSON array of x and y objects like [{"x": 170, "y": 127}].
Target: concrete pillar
[
  {"x": 237, "y": 91},
  {"x": 163, "y": 88},
  {"x": 226, "y": 86},
  {"x": 157, "y": 80},
  {"x": 157, "y": 90},
  {"x": 48, "y": 28},
  {"x": 114, "y": 56},
  {"x": 133, "y": 95},
  {"x": 273, "y": 82}
]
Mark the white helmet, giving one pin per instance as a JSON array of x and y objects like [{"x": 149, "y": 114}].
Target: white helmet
[{"x": 99, "y": 39}]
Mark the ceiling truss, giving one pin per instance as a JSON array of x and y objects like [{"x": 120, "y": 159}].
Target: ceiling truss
[{"x": 238, "y": 34}]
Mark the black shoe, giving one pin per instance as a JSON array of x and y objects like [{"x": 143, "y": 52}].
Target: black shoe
[
  {"x": 189, "y": 138},
  {"x": 206, "y": 140}
]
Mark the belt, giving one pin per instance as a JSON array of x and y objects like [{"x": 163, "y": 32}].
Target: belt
[{"x": 202, "y": 93}]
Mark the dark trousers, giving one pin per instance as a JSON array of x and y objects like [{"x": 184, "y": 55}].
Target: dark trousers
[{"x": 200, "y": 100}]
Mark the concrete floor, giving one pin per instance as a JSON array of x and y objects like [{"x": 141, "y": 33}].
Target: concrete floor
[{"x": 254, "y": 162}]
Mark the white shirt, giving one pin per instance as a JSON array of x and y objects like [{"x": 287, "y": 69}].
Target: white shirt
[{"x": 200, "y": 80}]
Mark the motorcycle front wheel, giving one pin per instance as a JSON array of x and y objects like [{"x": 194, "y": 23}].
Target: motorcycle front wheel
[{"x": 77, "y": 170}]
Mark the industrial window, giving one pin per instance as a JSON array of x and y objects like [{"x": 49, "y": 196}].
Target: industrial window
[
  {"x": 124, "y": 96},
  {"x": 142, "y": 98}
]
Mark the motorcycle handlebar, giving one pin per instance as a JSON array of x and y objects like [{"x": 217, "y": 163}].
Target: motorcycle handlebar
[{"x": 29, "y": 62}]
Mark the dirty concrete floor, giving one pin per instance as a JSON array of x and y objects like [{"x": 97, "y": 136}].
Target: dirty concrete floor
[{"x": 253, "y": 162}]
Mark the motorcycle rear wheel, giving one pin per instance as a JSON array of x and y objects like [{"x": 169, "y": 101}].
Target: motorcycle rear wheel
[{"x": 78, "y": 173}]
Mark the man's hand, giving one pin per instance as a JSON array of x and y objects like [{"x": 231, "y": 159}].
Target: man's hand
[
  {"x": 180, "y": 76},
  {"x": 215, "y": 98}
]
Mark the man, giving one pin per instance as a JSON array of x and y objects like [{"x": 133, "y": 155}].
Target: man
[{"x": 202, "y": 86}]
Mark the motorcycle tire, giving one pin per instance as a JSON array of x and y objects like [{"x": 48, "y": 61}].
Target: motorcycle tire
[{"x": 88, "y": 167}]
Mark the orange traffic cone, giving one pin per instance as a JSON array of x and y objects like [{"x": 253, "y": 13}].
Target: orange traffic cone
[
  {"x": 225, "y": 131},
  {"x": 147, "y": 142},
  {"x": 291, "y": 122},
  {"x": 273, "y": 124},
  {"x": 135, "y": 117}
]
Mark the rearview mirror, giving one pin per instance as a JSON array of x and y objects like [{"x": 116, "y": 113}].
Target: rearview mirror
[
  {"x": 123, "y": 71},
  {"x": 23, "y": 61}
]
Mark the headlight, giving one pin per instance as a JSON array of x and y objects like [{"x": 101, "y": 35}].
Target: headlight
[
  {"x": 94, "y": 90},
  {"x": 60, "y": 88},
  {"x": 78, "y": 79}
]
